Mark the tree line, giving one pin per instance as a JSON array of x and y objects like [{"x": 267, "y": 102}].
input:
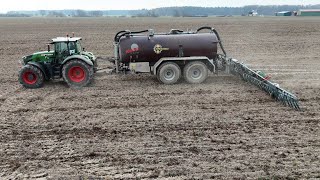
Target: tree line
[
  {"x": 164, "y": 11},
  {"x": 221, "y": 11},
  {"x": 55, "y": 13}
]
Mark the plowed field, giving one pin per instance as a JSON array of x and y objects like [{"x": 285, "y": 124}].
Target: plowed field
[{"x": 134, "y": 127}]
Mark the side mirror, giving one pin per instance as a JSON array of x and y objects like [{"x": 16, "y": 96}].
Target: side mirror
[
  {"x": 82, "y": 49},
  {"x": 48, "y": 47}
]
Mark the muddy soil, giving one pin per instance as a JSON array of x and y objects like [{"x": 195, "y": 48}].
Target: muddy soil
[{"x": 134, "y": 127}]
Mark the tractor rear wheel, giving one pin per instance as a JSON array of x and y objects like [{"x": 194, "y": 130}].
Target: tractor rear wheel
[
  {"x": 31, "y": 77},
  {"x": 77, "y": 73},
  {"x": 195, "y": 72},
  {"x": 169, "y": 73}
]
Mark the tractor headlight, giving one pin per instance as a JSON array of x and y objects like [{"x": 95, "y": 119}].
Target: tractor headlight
[{"x": 21, "y": 61}]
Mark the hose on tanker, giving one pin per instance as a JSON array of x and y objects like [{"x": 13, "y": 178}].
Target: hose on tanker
[
  {"x": 217, "y": 34},
  {"x": 123, "y": 33},
  {"x": 115, "y": 37},
  {"x": 204, "y": 27}
]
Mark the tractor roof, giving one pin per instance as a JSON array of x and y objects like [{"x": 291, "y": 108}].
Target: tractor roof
[{"x": 65, "y": 39}]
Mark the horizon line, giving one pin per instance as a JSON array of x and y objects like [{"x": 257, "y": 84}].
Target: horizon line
[{"x": 156, "y": 8}]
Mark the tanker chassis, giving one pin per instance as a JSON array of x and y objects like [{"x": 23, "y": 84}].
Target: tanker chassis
[{"x": 169, "y": 56}]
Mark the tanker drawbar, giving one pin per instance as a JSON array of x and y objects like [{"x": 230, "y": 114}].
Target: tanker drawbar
[{"x": 190, "y": 55}]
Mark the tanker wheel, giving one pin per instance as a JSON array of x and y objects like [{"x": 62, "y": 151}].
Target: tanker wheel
[
  {"x": 31, "y": 77},
  {"x": 77, "y": 73},
  {"x": 195, "y": 72},
  {"x": 169, "y": 73}
]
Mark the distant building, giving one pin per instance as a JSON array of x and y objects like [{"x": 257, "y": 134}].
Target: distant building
[
  {"x": 309, "y": 12},
  {"x": 253, "y": 13},
  {"x": 284, "y": 13}
]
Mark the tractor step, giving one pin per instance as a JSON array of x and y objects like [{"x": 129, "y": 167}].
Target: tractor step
[{"x": 56, "y": 72}]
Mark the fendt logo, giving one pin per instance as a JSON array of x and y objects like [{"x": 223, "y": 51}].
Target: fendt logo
[{"x": 158, "y": 49}]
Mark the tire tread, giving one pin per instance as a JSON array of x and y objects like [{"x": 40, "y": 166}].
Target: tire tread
[
  {"x": 37, "y": 71},
  {"x": 83, "y": 64}
]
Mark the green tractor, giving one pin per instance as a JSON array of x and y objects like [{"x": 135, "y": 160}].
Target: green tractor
[{"x": 68, "y": 60}]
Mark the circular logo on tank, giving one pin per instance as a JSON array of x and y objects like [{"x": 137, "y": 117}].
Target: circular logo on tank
[
  {"x": 134, "y": 47},
  {"x": 158, "y": 49}
]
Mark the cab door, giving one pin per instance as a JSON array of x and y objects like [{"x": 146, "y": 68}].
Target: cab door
[{"x": 61, "y": 51}]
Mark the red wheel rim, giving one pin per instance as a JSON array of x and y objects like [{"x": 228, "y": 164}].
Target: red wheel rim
[
  {"x": 29, "y": 77},
  {"x": 76, "y": 74}
]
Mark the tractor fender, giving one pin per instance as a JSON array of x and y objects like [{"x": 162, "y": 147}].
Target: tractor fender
[
  {"x": 88, "y": 61},
  {"x": 42, "y": 68}
]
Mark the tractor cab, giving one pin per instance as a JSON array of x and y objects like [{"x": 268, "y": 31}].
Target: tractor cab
[{"x": 65, "y": 47}]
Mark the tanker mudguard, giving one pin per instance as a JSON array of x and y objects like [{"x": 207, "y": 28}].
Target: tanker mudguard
[
  {"x": 89, "y": 62},
  {"x": 41, "y": 67}
]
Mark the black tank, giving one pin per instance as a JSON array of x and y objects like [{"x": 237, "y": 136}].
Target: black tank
[{"x": 150, "y": 48}]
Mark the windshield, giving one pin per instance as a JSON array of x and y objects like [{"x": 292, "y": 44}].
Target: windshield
[{"x": 78, "y": 44}]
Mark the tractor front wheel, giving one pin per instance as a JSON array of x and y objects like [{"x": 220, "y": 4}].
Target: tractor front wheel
[
  {"x": 77, "y": 73},
  {"x": 31, "y": 77}
]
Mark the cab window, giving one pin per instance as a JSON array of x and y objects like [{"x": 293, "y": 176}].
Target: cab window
[
  {"x": 78, "y": 46},
  {"x": 72, "y": 47},
  {"x": 61, "y": 47}
]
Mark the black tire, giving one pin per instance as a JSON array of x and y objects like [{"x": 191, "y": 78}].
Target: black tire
[
  {"x": 31, "y": 77},
  {"x": 169, "y": 73},
  {"x": 76, "y": 73},
  {"x": 195, "y": 72},
  {"x": 95, "y": 66}
]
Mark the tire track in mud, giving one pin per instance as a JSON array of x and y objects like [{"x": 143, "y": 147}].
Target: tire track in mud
[
  {"x": 229, "y": 145},
  {"x": 189, "y": 145},
  {"x": 4, "y": 97}
]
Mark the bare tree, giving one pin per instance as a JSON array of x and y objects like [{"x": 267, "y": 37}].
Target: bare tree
[
  {"x": 42, "y": 12},
  {"x": 81, "y": 13},
  {"x": 95, "y": 13},
  {"x": 56, "y": 14}
]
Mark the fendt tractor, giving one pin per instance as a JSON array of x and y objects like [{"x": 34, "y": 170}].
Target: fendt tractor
[
  {"x": 169, "y": 56},
  {"x": 68, "y": 60}
]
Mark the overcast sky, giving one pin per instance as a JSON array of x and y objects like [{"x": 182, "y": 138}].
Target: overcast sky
[{"x": 9, "y": 5}]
